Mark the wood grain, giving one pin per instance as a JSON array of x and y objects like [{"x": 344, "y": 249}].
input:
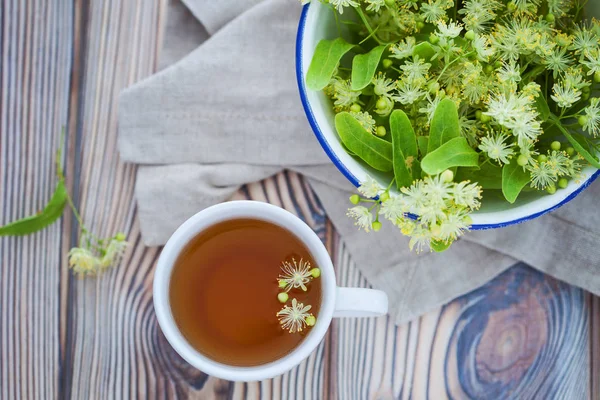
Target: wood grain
[
  {"x": 522, "y": 336},
  {"x": 35, "y": 50}
]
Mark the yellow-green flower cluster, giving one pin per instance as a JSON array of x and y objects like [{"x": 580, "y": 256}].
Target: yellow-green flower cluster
[
  {"x": 95, "y": 255},
  {"x": 433, "y": 211}
]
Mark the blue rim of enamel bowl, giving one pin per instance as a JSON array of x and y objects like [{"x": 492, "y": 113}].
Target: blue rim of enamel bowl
[{"x": 346, "y": 172}]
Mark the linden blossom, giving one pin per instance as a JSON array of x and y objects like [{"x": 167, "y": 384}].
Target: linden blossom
[
  {"x": 295, "y": 275},
  {"x": 512, "y": 83},
  {"x": 295, "y": 318}
]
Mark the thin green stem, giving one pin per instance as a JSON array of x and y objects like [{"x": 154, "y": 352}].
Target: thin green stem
[
  {"x": 390, "y": 185},
  {"x": 371, "y": 35},
  {"x": 450, "y": 63},
  {"x": 61, "y": 176},
  {"x": 363, "y": 17},
  {"x": 568, "y": 116},
  {"x": 580, "y": 7},
  {"x": 337, "y": 21}
]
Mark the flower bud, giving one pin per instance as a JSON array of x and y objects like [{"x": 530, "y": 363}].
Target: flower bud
[
  {"x": 433, "y": 87},
  {"x": 381, "y": 103},
  {"x": 283, "y": 297},
  {"x": 447, "y": 176},
  {"x": 563, "y": 183}
]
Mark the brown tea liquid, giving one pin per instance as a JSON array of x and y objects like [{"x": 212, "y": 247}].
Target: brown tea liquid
[{"x": 223, "y": 292}]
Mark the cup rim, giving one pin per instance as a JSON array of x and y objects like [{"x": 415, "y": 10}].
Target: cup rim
[
  {"x": 228, "y": 211},
  {"x": 331, "y": 153}
]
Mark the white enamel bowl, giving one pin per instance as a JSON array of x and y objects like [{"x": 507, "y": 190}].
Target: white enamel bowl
[{"x": 317, "y": 22}]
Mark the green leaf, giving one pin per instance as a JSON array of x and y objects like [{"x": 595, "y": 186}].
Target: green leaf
[
  {"x": 372, "y": 150},
  {"x": 488, "y": 176},
  {"x": 364, "y": 67},
  {"x": 403, "y": 131},
  {"x": 577, "y": 145},
  {"x": 424, "y": 50},
  {"x": 404, "y": 148},
  {"x": 34, "y": 223},
  {"x": 422, "y": 142},
  {"x": 324, "y": 62},
  {"x": 454, "y": 153},
  {"x": 439, "y": 246},
  {"x": 514, "y": 180},
  {"x": 542, "y": 108},
  {"x": 444, "y": 125}
]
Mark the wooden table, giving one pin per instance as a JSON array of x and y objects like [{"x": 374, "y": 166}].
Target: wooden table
[{"x": 63, "y": 63}]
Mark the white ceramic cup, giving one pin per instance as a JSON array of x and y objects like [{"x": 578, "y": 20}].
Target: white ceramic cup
[{"x": 335, "y": 302}]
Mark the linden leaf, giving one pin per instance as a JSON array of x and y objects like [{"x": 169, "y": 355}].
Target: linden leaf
[
  {"x": 48, "y": 216},
  {"x": 488, "y": 176},
  {"x": 454, "y": 153},
  {"x": 364, "y": 67},
  {"x": 444, "y": 125},
  {"x": 372, "y": 150},
  {"x": 514, "y": 180},
  {"x": 404, "y": 149},
  {"x": 328, "y": 54},
  {"x": 424, "y": 50}
]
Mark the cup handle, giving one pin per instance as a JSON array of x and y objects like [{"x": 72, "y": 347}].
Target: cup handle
[{"x": 360, "y": 302}]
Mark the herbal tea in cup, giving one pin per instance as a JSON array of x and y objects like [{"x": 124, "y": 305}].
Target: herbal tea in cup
[{"x": 245, "y": 291}]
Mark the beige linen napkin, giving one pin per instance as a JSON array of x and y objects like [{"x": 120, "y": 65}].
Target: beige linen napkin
[{"x": 228, "y": 113}]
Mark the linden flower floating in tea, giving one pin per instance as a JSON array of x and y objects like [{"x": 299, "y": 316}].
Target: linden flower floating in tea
[
  {"x": 296, "y": 274},
  {"x": 296, "y": 318},
  {"x": 457, "y": 102}
]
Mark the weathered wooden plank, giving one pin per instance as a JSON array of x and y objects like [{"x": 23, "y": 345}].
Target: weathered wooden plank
[
  {"x": 35, "y": 61},
  {"x": 111, "y": 333},
  {"x": 522, "y": 336}
]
